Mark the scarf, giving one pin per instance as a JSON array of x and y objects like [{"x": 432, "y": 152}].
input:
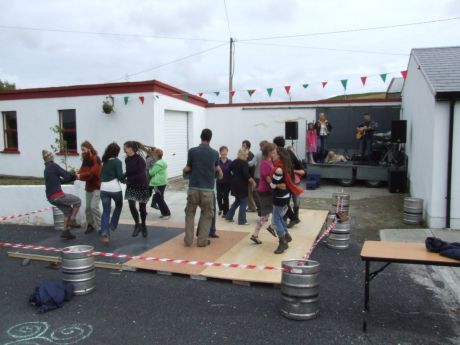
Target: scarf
[{"x": 289, "y": 183}]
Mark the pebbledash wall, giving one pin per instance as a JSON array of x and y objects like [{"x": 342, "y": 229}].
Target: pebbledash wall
[{"x": 427, "y": 148}]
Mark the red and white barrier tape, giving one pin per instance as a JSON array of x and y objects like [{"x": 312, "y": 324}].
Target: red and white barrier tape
[
  {"x": 149, "y": 258},
  {"x": 18, "y": 215}
]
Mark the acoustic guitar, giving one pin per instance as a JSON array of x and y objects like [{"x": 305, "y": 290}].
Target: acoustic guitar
[{"x": 361, "y": 132}]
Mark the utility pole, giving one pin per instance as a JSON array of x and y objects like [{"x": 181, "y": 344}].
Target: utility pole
[{"x": 230, "y": 72}]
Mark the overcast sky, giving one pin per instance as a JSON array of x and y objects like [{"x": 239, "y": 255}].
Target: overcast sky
[{"x": 37, "y": 58}]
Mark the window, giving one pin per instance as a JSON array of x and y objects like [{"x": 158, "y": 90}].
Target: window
[
  {"x": 68, "y": 123},
  {"x": 10, "y": 131}
]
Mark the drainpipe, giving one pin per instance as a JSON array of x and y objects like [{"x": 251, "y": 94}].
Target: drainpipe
[{"x": 449, "y": 161}]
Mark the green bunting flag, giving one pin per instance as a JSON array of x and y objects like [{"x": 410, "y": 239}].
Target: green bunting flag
[
  {"x": 250, "y": 92},
  {"x": 305, "y": 86},
  {"x": 269, "y": 91},
  {"x": 126, "y": 99},
  {"x": 383, "y": 76},
  {"x": 217, "y": 93},
  {"x": 185, "y": 96},
  {"x": 344, "y": 83}
]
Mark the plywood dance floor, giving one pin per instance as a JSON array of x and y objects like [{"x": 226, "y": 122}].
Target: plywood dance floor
[{"x": 234, "y": 246}]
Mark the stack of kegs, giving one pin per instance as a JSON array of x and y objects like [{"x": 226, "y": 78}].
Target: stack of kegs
[
  {"x": 339, "y": 237},
  {"x": 300, "y": 289},
  {"x": 78, "y": 268},
  {"x": 413, "y": 211}
]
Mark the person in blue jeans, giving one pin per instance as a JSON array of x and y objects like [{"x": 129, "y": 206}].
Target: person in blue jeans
[
  {"x": 111, "y": 176},
  {"x": 239, "y": 187}
]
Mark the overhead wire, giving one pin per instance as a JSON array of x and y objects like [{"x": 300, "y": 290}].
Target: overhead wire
[{"x": 228, "y": 20}]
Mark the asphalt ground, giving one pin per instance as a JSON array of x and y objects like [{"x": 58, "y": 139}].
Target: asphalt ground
[{"x": 146, "y": 308}]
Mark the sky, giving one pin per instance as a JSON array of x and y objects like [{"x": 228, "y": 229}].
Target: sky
[{"x": 45, "y": 43}]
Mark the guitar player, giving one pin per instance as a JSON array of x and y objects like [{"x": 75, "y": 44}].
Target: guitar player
[{"x": 365, "y": 135}]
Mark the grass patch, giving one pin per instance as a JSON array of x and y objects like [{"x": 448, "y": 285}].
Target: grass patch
[{"x": 19, "y": 180}]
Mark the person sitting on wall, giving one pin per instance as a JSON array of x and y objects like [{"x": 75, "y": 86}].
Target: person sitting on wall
[{"x": 69, "y": 204}]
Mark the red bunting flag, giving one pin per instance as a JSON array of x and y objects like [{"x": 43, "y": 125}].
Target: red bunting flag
[
  {"x": 404, "y": 74},
  {"x": 232, "y": 93},
  {"x": 363, "y": 80},
  {"x": 324, "y": 83},
  {"x": 141, "y": 98},
  {"x": 288, "y": 89},
  {"x": 200, "y": 94}
]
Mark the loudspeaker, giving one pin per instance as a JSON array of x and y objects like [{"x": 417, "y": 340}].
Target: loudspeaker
[
  {"x": 397, "y": 181},
  {"x": 398, "y": 131},
  {"x": 291, "y": 130}
]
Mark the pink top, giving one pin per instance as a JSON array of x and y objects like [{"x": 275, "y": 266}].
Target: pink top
[
  {"x": 312, "y": 139},
  {"x": 266, "y": 169}
]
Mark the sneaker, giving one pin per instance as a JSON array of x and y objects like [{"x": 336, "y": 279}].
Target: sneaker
[
  {"x": 165, "y": 217},
  {"x": 213, "y": 236},
  {"x": 271, "y": 230},
  {"x": 245, "y": 223},
  {"x": 105, "y": 239},
  {"x": 67, "y": 235}
]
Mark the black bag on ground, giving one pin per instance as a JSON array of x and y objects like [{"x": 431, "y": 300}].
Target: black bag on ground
[{"x": 51, "y": 295}]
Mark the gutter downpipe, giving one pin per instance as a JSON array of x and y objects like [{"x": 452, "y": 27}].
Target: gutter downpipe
[{"x": 449, "y": 162}]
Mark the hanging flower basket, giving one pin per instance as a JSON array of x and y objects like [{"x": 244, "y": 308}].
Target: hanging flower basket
[{"x": 107, "y": 105}]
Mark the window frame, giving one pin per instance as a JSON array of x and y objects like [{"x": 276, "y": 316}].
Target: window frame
[
  {"x": 70, "y": 152},
  {"x": 6, "y": 131}
]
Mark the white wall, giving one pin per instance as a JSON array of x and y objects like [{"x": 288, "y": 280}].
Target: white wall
[
  {"x": 232, "y": 125},
  {"x": 427, "y": 148}
]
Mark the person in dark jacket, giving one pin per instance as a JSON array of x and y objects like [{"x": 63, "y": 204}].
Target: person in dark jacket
[
  {"x": 239, "y": 187},
  {"x": 252, "y": 206},
  {"x": 223, "y": 185},
  {"x": 137, "y": 187},
  {"x": 69, "y": 204}
]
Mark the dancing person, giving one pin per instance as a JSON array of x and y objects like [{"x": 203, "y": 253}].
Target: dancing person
[
  {"x": 137, "y": 190},
  {"x": 149, "y": 163},
  {"x": 282, "y": 186},
  {"x": 239, "y": 187},
  {"x": 159, "y": 180},
  {"x": 365, "y": 135},
  {"x": 223, "y": 185},
  {"x": 90, "y": 172},
  {"x": 264, "y": 190},
  {"x": 255, "y": 162},
  {"x": 252, "y": 207},
  {"x": 111, "y": 176},
  {"x": 323, "y": 129},
  {"x": 202, "y": 166},
  {"x": 69, "y": 204},
  {"x": 312, "y": 142}
]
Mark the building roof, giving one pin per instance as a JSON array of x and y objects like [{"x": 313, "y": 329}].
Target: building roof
[
  {"x": 396, "y": 85},
  {"x": 441, "y": 69},
  {"x": 103, "y": 89}
]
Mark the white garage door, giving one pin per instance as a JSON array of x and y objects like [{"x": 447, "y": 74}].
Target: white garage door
[{"x": 176, "y": 141}]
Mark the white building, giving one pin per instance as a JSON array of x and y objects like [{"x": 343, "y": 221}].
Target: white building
[{"x": 430, "y": 100}]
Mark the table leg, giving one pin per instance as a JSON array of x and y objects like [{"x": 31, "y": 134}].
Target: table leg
[{"x": 367, "y": 281}]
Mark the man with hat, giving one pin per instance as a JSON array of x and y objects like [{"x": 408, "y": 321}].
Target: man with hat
[{"x": 69, "y": 204}]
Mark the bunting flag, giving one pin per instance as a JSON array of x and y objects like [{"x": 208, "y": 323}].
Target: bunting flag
[
  {"x": 217, "y": 93},
  {"x": 304, "y": 86},
  {"x": 344, "y": 83},
  {"x": 363, "y": 80},
  {"x": 324, "y": 83},
  {"x": 200, "y": 94},
  {"x": 383, "y": 76},
  {"x": 269, "y": 91},
  {"x": 185, "y": 96},
  {"x": 250, "y": 92},
  {"x": 288, "y": 89},
  {"x": 141, "y": 98},
  {"x": 404, "y": 74},
  {"x": 232, "y": 93},
  {"x": 126, "y": 98}
]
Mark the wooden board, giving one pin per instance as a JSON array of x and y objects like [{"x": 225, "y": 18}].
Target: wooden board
[
  {"x": 176, "y": 249},
  {"x": 401, "y": 251}
]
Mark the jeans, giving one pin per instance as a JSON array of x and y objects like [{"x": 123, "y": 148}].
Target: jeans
[
  {"x": 106, "y": 198},
  {"x": 242, "y": 203},
  {"x": 93, "y": 212},
  {"x": 197, "y": 198},
  {"x": 278, "y": 221},
  {"x": 223, "y": 192},
  {"x": 322, "y": 147},
  {"x": 366, "y": 148},
  {"x": 159, "y": 197}
]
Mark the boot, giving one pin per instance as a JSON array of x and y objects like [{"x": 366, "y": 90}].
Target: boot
[
  {"x": 137, "y": 229},
  {"x": 288, "y": 237},
  {"x": 72, "y": 223},
  {"x": 296, "y": 213},
  {"x": 282, "y": 246},
  {"x": 67, "y": 235},
  {"x": 89, "y": 229},
  {"x": 144, "y": 230}
]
